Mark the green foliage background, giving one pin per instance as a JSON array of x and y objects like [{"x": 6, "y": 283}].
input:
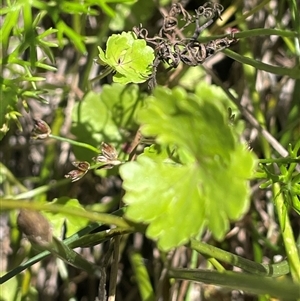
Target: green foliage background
[{"x": 215, "y": 171}]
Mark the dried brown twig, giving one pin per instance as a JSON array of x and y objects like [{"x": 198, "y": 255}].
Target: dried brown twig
[{"x": 172, "y": 48}]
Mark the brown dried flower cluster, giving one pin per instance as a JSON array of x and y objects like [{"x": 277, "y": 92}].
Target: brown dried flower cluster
[
  {"x": 108, "y": 159},
  {"x": 172, "y": 49}
]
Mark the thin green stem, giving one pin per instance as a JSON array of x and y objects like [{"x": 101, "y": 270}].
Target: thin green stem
[
  {"x": 265, "y": 32},
  {"x": 273, "y": 270},
  {"x": 107, "y": 70},
  {"x": 293, "y": 73},
  {"x": 62, "y": 251},
  {"x": 248, "y": 14},
  {"x": 93, "y": 239},
  {"x": 296, "y": 24},
  {"x": 39, "y": 190},
  {"x": 142, "y": 277},
  {"x": 253, "y": 33},
  {"x": 286, "y": 160},
  {"x": 90, "y": 215},
  {"x": 114, "y": 270},
  {"x": 73, "y": 142},
  {"x": 93, "y": 52},
  {"x": 287, "y": 233},
  {"x": 252, "y": 284},
  {"x": 216, "y": 264},
  {"x": 193, "y": 265},
  {"x": 5, "y": 172}
]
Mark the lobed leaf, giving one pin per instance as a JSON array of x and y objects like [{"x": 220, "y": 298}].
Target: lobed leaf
[
  {"x": 207, "y": 186},
  {"x": 176, "y": 117},
  {"x": 102, "y": 116},
  {"x": 130, "y": 57}
]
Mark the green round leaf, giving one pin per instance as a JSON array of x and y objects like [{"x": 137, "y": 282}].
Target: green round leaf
[
  {"x": 130, "y": 57},
  {"x": 202, "y": 182}
]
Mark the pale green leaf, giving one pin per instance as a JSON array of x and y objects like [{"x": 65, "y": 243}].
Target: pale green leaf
[
  {"x": 104, "y": 116},
  {"x": 199, "y": 175},
  {"x": 130, "y": 57},
  {"x": 183, "y": 119},
  {"x": 162, "y": 194},
  {"x": 73, "y": 223}
]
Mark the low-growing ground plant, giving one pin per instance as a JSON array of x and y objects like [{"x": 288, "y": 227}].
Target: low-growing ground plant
[{"x": 150, "y": 150}]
